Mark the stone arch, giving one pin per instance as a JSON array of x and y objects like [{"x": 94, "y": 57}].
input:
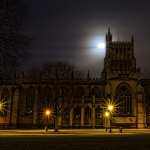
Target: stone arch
[
  {"x": 65, "y": 115},
  {"x": 99, "y": 115},
  {"x": 29, "y": 100},
  {"x": 87, "y": 115},
  {"x": 77, "y": 115},
  {"x": 21, "y": 104},
  {"x": 124, "y": 99}
]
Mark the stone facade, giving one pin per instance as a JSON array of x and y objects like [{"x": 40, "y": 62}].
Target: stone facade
[{"x": 79, "y": 103}]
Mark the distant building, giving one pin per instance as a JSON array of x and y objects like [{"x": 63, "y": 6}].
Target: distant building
[{"x": 80, "y": 102}]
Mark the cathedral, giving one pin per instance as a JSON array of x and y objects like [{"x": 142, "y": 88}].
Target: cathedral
[{"x": 80, "y": 103}]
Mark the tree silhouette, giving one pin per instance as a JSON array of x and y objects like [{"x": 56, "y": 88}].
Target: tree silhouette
[{"x": 12, "y": 42}]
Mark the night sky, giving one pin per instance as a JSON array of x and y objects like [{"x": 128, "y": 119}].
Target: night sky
[{"x": 69, "y": 30}]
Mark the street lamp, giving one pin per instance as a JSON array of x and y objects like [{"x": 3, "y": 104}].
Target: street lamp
[
  {"x": 47, "y": 113},
  {"x": 106, "y": 115},
  {"x": 110, "y": 108}
]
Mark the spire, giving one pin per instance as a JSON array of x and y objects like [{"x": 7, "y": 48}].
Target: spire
[
  {"x": 109, "y": 30},
  {"x": 109, "y": 36},
  {"x": 132, "y": 39}
]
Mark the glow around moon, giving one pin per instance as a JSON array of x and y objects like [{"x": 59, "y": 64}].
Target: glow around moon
[
  {"x": 101, "y": 45},
  {"x": 98, "y": 47}
]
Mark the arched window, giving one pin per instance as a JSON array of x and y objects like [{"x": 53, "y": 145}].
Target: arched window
[
  {"x": 77, "y": 113},
  {"x": 30, "y": 97},
  {"x": 87, "y": 117},
  {"x": 124, "y": 99},
  {"x": 65, "y": 115}
]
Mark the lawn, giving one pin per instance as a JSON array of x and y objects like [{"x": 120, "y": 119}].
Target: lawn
[{"x": 66, "y": 142}]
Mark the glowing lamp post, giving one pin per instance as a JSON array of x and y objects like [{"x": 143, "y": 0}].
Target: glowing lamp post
[
  {"x": 47, "y": 113},
  {"x": 110, "y": 108},
  {"x": 106, "y": 115}
]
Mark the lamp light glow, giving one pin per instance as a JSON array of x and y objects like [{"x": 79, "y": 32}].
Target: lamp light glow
[
  {"x": 47, "y": 112},
  {"x": 107, "y": 114},
  {"x": 110, "y": 107},
  {"x": 3, "y": 104}
]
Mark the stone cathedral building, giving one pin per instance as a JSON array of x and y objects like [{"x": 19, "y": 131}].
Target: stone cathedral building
[{"x": 80, "y": 102}]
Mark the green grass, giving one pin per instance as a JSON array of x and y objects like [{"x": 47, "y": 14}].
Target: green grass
[{"x": 99, "y": 142}]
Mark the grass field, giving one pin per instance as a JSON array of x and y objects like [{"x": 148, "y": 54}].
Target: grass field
[{"x": 75, "y": 142}]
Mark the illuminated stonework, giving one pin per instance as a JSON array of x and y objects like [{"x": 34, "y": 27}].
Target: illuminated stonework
[{"x": 77, "y": 102}]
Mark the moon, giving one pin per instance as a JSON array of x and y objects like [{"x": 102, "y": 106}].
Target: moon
[
  {"x": 101, "y": 45},
  {"x": 97, "y": 47}
]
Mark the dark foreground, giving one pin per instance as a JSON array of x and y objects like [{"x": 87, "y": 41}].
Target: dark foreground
[{"x": 69, "y": 142}]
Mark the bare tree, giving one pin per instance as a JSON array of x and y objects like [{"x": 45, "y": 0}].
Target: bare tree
[
  {"x": 12, "y": 41},
  {"x": 61, "y": 71}
]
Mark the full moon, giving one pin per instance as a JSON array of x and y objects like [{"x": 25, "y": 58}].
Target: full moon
[
  {"x": 101, "y": 45},
  {"x": 97, "y": 47}
]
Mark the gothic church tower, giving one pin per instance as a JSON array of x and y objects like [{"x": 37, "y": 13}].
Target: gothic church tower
[
  {"x": 123, "y": 83},
  {"x": 120, "y": 60}
]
